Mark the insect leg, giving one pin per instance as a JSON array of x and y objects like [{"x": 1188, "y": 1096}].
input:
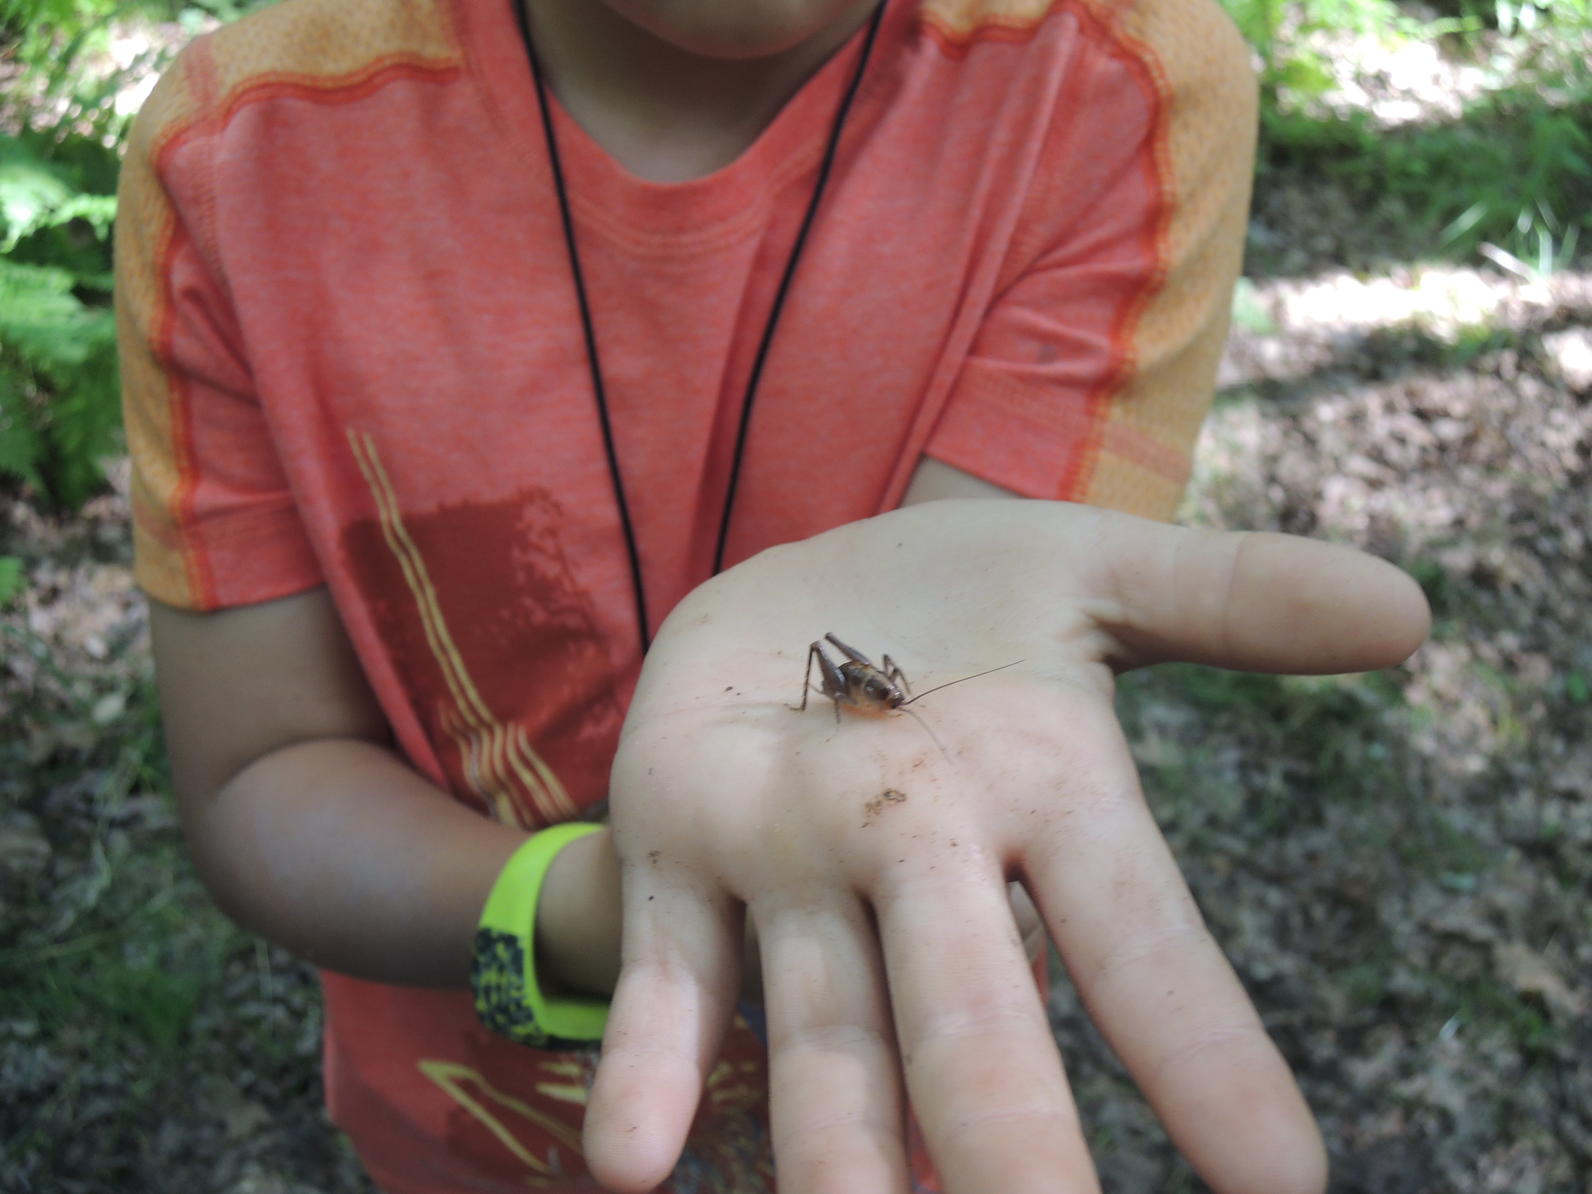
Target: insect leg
[
  {"x": 807, "y": 679},
  {"x": 850, "y": 653},
  {"x": 895, "y": 675},
  {"x": 834, "y": 683},
  {"x": 832, "y": 686}
]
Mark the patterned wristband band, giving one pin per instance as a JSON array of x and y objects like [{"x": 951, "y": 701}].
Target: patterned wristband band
[{"x": 508, "y": 998}]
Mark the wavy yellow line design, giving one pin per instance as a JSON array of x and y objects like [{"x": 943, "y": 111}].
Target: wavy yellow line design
[
  {"x": 493, "y": 756},
  {"x": 452, "y": 1077},
  {"x": 478, "y": 769},
  {"x": 570, "y": 1092}
]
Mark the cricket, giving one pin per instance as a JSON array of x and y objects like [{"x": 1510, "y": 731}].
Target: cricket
[{"x": 859, "y": 685}]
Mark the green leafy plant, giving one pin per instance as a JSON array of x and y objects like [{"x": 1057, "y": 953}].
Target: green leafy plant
[
  {"x": 1514, "y": 17},
  {"x": 1278, "y": 31},
  {"x": 58, "y": 378},
  {"x": 59, "y": 155},
  {"x": 1508, "y": 179},
  {"x": 58, "y": 383},
  {"x": 12, "y": 579}
]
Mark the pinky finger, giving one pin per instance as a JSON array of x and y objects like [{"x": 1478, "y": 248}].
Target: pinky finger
[{"x": 671, "y": 1008}]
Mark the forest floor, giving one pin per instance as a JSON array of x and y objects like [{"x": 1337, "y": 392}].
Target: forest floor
[{"x": 1398, "y": 865}]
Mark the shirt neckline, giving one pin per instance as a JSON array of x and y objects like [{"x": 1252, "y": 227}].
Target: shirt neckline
[{"x": 611, "y": 200}]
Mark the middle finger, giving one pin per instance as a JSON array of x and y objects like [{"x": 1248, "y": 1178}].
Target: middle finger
[{"x": 983, "y": 1072}]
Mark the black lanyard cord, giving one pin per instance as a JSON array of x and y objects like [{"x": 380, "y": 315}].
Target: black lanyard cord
[
  {"x": 589, "y": 330},
  {"x": 784, "y": 285}
]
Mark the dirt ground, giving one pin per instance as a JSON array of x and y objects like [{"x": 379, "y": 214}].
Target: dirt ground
[{"x": 1399, "y": 866}]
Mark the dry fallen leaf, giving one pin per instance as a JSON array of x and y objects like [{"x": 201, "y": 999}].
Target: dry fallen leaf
[{"x": 1528, "y": 972}]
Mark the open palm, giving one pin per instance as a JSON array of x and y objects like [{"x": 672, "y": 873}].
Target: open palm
[{"x": 872, "y": 853}]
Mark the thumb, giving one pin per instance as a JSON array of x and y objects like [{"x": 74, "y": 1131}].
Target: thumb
[{"x": 1258, "y": 602}]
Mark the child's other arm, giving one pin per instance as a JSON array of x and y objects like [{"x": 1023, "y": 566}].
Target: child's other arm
[{"x": 308, "y": 829}]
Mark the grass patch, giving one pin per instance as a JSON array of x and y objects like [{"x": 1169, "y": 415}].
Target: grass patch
[
  {"x": 112, "y": 946},
  {"x": 1434, "y": 845},
  {"x": 136, "y": 981},
  {"x": 1509, "y": 177},
  {"x": 120, "y": 991},
  {"x": 1328, "y": 729},
  {"x": 1282, "y": 704},
  {"x": 1268, "y": 757},
  {"x": 1365, "y": 984},
  {"x": 1488, "y": 1007}
]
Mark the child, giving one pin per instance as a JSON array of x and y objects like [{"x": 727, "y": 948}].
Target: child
[{"x": 463, "y": 340}]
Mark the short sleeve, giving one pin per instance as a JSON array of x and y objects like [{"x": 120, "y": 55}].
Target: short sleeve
[
  {"x": 1093, "y": 370},
  {"x": 214, "y": 522}
]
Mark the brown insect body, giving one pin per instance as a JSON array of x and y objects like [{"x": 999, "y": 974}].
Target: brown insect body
[{"x": 859, "y": 685}]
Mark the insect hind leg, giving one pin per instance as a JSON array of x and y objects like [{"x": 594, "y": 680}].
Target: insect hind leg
[
  {"x": 807, "y": 679},
  {"x": 833, "y": 685}
]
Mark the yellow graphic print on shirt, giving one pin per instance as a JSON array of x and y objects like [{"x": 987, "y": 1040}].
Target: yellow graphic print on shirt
[
  {"x": 499, "y": 766},
  {"x": 499, "y": 1111},
  {"x": 539, "y": 1128}
]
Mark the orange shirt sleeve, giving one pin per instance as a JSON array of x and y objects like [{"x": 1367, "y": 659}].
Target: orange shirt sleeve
[
  {"x": 214, "y": 522},
  {"x": 1092, "y": 372}
]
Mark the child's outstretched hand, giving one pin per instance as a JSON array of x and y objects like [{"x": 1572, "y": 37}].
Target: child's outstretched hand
[{"x": 873, "y": 854}]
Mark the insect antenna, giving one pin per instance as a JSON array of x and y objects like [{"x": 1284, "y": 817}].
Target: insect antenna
[
  {"x": 959, "y": 680},
  {"x": 912, "y": 713}
]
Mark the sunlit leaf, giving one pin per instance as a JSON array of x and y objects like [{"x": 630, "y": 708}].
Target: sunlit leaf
[{"x": 12, "y": 578}]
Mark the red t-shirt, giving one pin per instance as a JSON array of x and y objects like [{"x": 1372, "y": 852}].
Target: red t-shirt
[{"x": 352, "y": 357}]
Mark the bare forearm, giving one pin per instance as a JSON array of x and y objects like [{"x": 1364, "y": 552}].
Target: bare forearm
[{"x": 342, "y": 853}]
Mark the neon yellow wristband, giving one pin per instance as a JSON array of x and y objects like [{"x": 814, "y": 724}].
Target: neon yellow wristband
[{"x": 508, "y": 998}]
